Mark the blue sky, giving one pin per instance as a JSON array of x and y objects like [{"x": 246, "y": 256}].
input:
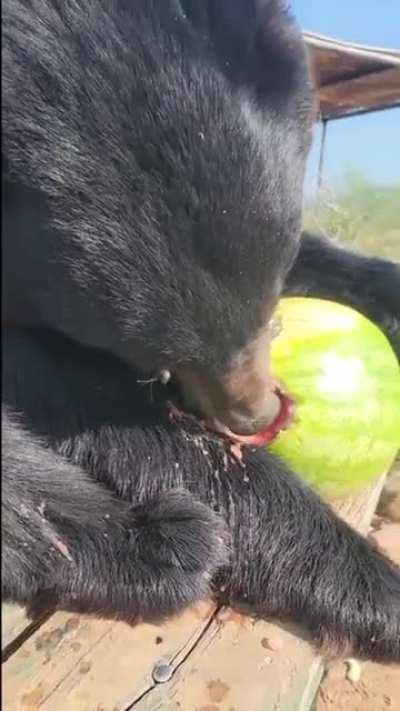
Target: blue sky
[{"x": 369, "y": 143}]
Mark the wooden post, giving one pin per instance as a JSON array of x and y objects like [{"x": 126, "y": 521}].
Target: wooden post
[{"x": 322, "y": 153}]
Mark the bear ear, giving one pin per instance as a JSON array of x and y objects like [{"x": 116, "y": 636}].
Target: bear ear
[{"x": 256, "y": 42}]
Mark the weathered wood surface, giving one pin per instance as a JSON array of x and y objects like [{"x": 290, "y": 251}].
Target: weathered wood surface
[
  {"x": 16, "y": 626},
  {"x": 14, "y": 623},
  {"x": 352, "y": 78},
  {"x": 338, "y": 61},
  {"x": 371, "y": 91},
  {"x": 205, "y": 660}
]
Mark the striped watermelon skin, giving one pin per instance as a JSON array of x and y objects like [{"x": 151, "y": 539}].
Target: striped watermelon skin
[{"x": 345, "y": 380}]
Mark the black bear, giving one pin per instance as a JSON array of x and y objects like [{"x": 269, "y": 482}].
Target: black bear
[{"x": 153, "y": 161}]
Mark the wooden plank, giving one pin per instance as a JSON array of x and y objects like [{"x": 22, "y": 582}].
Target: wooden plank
[
  {"x": 332, "y": 66},
  {"x": 323, "y": 42},
  {"x": 241, "y": 664},
  {"x": 366, "y": 92},
  {"x": 13, "y": 623},
  {"x": 359, "y": 510},
  {"x": 77, "y": 663},
  {"x": 205, "y": 660},
  {"x": 337, "y": 61},
  {"x": 16, "y": 626}
]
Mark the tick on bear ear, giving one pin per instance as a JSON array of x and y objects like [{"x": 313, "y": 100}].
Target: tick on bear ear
[{"x": 256, "y": 41}]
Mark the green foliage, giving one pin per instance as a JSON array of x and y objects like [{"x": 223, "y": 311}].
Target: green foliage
[{"x": 362, "y": 215}]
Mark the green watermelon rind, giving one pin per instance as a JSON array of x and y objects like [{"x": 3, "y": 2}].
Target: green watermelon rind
[{"x": 347, "y": 427}]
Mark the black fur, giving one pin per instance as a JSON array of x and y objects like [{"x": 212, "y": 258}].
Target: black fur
[
  {"x": 152, "y": 188},
  {"x": 370, "y": 285}
]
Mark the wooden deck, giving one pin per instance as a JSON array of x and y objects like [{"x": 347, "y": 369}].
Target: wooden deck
[{"x": 208, "y": 659}]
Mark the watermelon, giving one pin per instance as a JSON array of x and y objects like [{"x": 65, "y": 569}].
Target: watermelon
[{"x": 344, "y": 378}]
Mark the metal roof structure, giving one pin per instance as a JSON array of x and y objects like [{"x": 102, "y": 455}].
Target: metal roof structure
[{"x": 352, "y": 78}]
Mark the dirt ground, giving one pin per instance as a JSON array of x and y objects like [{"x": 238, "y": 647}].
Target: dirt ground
[{"x": 363, "y": 686}]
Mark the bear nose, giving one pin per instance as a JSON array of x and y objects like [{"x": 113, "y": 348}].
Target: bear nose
[
  {"x": 246, "y": 409},
  {"x": 246, "y": 421}
]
